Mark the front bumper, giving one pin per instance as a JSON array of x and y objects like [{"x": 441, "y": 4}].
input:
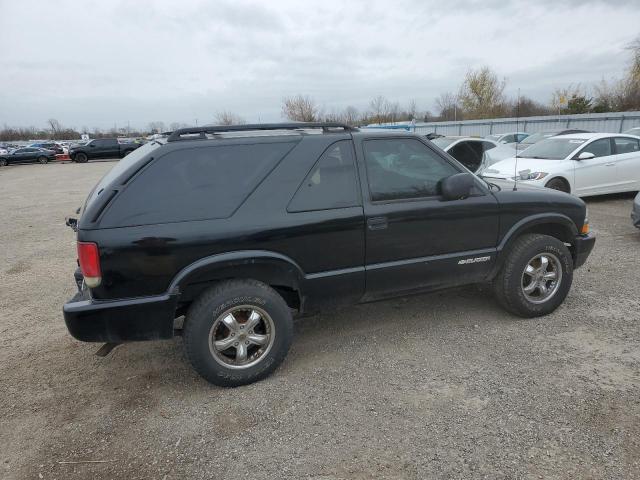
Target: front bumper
[
  {"x": 125, "y": 320},
  {"x": 582, "y": 246}
]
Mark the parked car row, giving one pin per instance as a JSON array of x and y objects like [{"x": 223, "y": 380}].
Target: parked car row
[
  {"x": 27, "y": 155},
  {"x": 43, "y": 152},
  {"x": 573, "y": 161}
]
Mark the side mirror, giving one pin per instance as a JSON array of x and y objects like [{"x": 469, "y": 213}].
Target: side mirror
[
  {"x": 92, "y": 145},
  {"x": 586, "y": 156},
  {"x": 457, "y": 186}
]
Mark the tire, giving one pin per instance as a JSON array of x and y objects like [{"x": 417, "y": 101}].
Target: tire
[
  {"x": 512, "y": 281},
  {"x": 3, "y": 162},
  {"x": 81, "y": 158},
  {"x": 43, "y": 160},
  {"x": 205, "y": 334},
  {"x": 558, "y": 184}
]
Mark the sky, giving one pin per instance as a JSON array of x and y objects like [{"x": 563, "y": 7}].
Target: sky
[{"x": 112, "y": 63}]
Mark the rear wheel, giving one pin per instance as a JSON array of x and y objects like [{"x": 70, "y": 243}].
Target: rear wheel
[
  {"x": 43, "y": 160},
  {"x": 558, "y": 184},
  {"x": 536, "y": 276},
  {"x": 81, "y": 158},
  {"x": 237, "y": 332},
  {"x": 3, "y": 162}
]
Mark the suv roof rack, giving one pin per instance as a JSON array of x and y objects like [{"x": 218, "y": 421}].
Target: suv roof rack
[{"x": 202, "y": 131}]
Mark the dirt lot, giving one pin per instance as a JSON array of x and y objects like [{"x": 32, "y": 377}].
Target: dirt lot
[{"x": 445, "y": 385}]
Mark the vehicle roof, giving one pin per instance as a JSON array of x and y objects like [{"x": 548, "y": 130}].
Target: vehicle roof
[
  {"x": 465, "y": 137},
  {"x": 590, "y": 136}
]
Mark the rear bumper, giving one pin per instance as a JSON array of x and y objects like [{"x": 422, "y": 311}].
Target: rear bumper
[
  {"x": 582, "y": 246},
  {"x": 133, "y": 319}
]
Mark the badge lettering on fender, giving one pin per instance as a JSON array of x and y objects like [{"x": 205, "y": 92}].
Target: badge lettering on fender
[{"x": 474, "y": 260}]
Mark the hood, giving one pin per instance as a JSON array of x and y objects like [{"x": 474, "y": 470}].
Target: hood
[{"x": 507, "y": 168}]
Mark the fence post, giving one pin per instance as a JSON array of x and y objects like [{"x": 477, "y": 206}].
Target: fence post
[
  {"x": 490, "y": 128},
  {"x": 459, "y": 129},
  {"x": 621, "y": 123}
]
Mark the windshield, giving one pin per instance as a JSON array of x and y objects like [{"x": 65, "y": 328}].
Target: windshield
[
  {"x": 443, "y": 142},
  {"x": 536, "y": 137},
  {"x": 556, "y": 148}
]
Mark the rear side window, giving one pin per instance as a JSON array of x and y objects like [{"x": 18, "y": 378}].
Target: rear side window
[
  {"x": 330, "y": 184},
  {"x": 626, "y": 145},
  {"x": 195, "y": 184}
]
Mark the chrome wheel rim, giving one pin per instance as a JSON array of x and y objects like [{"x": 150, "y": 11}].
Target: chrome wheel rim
[
  {"x": 241, "y": 336},
  {"x": 541, "y": 277}
]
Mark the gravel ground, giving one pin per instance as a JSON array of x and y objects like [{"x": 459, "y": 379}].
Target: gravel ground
[{"x": 445, "y": 385}]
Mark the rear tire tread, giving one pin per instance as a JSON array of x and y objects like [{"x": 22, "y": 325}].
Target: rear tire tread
[{"x": 197, "y": 319}]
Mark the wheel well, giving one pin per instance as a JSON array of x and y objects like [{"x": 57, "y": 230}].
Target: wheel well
[
  {"x": 290, "y": 295},
  {"x": 557, "y": 230},
  {"x": 561, "y": 179}
]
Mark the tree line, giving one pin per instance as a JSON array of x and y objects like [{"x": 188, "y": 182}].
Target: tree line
[{"x": 479, "y": 96}]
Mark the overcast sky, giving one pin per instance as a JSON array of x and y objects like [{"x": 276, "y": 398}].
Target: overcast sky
[{"x": 102, "y": 63}]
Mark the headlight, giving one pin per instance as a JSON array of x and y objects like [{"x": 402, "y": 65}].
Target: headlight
[{"x": 529, "y": 175}]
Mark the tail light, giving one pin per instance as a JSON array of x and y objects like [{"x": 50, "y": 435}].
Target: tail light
[{"x": 89, "y": 260}]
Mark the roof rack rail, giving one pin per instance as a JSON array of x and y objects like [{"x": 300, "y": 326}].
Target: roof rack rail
[{"x": 202, "y": 131}]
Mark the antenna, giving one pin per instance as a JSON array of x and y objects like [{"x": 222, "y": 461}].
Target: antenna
[{"x": 515, "y": 176}]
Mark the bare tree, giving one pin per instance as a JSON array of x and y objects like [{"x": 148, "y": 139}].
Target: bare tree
[
  {"x": 177, "y": 125},
  {"x": 412, "y": 109},
  {"x": 351, "y": 115},
  {"x": 229, "y": 118},
  {"x": 156, "y": 127},
  {"x": 380, "y": 109},
  {"x": 481, "y": 94},
  {"x": 300, "y": 108},
  {"x": 448, "y": 108},
  {"x": 55, "y": 126}
]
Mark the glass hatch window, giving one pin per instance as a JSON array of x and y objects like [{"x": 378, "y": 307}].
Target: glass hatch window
[
  {"x": 197, "y": 183},
  {"x": 555, "y": 148}
]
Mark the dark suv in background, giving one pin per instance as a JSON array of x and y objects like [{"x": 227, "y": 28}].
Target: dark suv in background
[
  {"x": 101, "y": 148},
  {"x": 240, "y": 228}
]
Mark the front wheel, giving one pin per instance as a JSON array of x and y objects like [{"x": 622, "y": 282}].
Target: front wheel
[
  {"x": 237, "y": 332},
  {"x": 3, "y": 162},
  {"x": 81, "y": 158},
  {"x": 536, "y": 276}
]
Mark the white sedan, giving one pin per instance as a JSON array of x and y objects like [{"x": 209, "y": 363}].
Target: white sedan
[{"x": 581, "y": 163}]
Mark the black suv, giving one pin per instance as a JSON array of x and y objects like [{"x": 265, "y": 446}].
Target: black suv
[{"x": 240, "y": 228}]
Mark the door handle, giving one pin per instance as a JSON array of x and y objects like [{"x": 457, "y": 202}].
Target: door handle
[
  {"x": 609, "y": 164},
  {"x": 377, "y": 223}
]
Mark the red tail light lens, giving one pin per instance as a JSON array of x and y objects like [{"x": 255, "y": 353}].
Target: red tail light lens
[{"x": 89, "y": 259}]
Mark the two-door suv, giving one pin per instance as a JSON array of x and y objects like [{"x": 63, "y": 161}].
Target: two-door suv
[{"x": 240, "y": 228}]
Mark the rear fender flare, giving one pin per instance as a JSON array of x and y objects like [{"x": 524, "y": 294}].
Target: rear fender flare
[{"x": 269, "y": 267}]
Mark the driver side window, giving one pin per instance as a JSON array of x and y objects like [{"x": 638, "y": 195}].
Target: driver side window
[
  {"x": 600, "y": 148},
  {"x": 403, "y": 168}
]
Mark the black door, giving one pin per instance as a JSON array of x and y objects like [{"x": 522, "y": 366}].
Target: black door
[
  {"x": 414, "y": 239},
  {"x": 102, "y": 148}
]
